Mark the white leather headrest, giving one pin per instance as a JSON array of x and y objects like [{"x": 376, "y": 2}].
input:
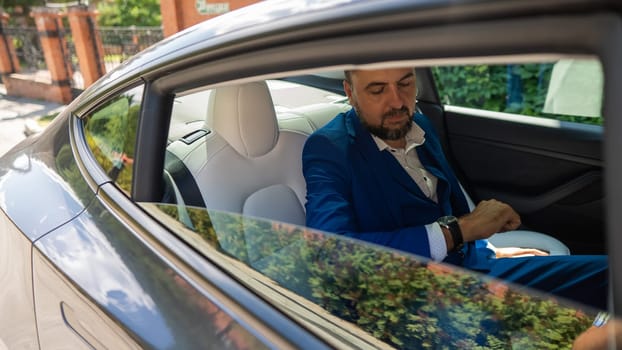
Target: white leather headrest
[{"x": 244, "y": 116}]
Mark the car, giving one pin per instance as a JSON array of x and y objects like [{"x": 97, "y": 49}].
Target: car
[{"x": 164, "y": 207}]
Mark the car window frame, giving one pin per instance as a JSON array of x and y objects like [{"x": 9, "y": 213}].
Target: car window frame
[
  {"x": 260, "y": 59},
  {"x": 90, "y": 167}
]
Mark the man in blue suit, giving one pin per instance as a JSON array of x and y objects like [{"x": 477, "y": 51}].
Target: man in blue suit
[{"x": 378, "y": 173}]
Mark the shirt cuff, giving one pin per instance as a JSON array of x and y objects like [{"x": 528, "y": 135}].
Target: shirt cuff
[{"x": 438, "y": 246}]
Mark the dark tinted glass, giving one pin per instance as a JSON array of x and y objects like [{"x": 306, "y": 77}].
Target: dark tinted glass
[
  {"x": 111, "y": 135},
  {"x": 398, "y": 299},
  {"x": 565, "y": 89}
]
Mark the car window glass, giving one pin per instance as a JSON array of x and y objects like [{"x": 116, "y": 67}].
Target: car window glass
[
  {"x": 111, "y": 135},
  {"x": 566, "y": 89},
  {"x": 394, "y": 298},
  {"x": 386, "y": 297}
]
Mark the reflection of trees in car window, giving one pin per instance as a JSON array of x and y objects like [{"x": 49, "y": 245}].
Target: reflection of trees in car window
[
  {"x": 399, "y": 300},
  {"x": 111, "y": 135},
  {"x": 69, "y": 171},
  {"x": 512, "y": 88}
]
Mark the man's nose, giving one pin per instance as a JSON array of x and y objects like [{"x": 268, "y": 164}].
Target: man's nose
[{"x": 394, "y": 98}]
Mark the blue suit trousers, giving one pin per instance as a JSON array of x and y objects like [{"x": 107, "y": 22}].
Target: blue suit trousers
[{"x": 583, "y": 278}]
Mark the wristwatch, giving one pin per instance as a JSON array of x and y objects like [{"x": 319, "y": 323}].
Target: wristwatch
[{"x": 451, "y": 224}]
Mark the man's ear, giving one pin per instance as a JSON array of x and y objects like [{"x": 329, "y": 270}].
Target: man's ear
[{"x": 347, "y": 88}]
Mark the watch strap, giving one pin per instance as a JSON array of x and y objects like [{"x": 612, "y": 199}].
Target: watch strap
[{"x": 452, "y": 225}]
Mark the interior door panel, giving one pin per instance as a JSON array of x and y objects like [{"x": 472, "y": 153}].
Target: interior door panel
[{"x": 550, "y": 172}]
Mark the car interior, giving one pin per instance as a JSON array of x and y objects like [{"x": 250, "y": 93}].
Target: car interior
[{"x": 238, "y": 148}]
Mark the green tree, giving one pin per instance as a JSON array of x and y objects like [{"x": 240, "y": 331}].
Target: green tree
[
  {"x": 19, "y": 10},
  {"x": 124, "y": 13},
  {"x": 10, "y": 4}
]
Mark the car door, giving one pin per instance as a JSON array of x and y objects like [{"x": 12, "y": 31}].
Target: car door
[
  {"x": 113, "y": 278},
  {"x": 529, "y": 134}
]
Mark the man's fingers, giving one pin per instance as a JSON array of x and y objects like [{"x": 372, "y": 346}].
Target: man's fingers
[
  {"x": 515, "y": 252},
  {"x": 537, "y": 252},
  {"x": 512, "y": 224}
]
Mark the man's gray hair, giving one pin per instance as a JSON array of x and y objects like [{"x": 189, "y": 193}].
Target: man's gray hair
[{"x": 348, "y": 75}]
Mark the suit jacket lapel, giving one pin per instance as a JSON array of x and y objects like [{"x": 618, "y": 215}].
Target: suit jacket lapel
[
  {"x": 380, "y": 161},
  {"x": 431, "y": 164}
]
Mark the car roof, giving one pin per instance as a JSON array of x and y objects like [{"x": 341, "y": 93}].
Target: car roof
[{"x": 291, "y": 21}]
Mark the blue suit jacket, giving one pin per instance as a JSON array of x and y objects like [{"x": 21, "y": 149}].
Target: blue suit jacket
[{"x": 357, "y": 190}]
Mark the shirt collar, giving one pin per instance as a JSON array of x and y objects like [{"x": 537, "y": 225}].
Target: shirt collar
[{"x": 414, "y": 138}]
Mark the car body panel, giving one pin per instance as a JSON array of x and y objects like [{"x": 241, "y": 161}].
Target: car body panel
[
  {"x": 57, "y": 191},
  {"x": 130, "y": 284},
  {"x": 67, "y": 319},
  {"x": 215, "y": 284},
  {"x": 19, "y": 330}
]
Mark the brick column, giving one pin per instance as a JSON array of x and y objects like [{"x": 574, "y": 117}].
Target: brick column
[
  {"x": 178, "y": 15},
  {"x": 51, "y": 33},
  {"x": 88, "y": 43},
  {"x": 8, "y": 57}
]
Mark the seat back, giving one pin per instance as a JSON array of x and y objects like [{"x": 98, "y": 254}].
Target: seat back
[{"x": 247, "y": 165}]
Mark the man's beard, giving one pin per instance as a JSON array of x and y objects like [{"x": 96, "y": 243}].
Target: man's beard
[{"x": 385, "y": 133}]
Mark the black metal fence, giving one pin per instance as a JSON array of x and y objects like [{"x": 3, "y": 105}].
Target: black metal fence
[
  {"x": 71, "y": 58},
  {"x": 27, "y": 47},
  {"x": 121, "y": 43}
]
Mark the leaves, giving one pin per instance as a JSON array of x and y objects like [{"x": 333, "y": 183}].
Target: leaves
[
  {"x": 125, "y": 13},
  {"x": 519, "y": 89}
]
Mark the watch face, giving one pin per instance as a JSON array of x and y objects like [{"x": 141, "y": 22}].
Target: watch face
[{"x": 446, "y": 220}]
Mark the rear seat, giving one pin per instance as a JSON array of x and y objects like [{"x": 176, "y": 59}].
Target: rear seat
[
  {"x": 252, "y": 165},
  {"x": 309, "y": 118}
]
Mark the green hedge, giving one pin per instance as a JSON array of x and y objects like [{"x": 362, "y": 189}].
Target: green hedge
[{"x": 517, "y": 89}]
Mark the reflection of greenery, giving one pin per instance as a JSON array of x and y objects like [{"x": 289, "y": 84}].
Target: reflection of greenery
[
  {"x": 111, "y": 136},
  {"x": 194, "y": 321},
  {"x": 106, "y": 126},
  {"x": 397, "y": 299},
  {"x": 489, "y": 87},
  {"x": 67, "y": 169}
]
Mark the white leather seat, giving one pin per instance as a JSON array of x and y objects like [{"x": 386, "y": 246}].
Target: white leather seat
[
  {"x": 189, "y": 113},
  {"x": 247, "y": 165},
  {"x": 529, "y": 239},
  {"x": 524, "y": 238}
]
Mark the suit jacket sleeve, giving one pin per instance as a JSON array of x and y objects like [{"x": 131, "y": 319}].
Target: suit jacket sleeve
[{"x": 331, "y": 204}]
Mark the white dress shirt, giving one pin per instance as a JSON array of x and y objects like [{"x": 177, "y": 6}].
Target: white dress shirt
[{"x": 409, "y": 160}]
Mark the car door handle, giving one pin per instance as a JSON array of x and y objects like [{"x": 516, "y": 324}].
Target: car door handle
[{"x": 80, "y": 328}]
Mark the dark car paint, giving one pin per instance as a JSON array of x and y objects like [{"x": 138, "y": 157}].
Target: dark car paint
[
  {"x": 129, "y": 282},
  {"x": 42, "y": 184},
  {"x": 18, "y": 327}
]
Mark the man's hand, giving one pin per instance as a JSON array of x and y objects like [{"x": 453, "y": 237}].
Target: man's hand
[
  {"x": 488, "y": 218},
  {"x": 514, "y": 252},
  {"x": 606, "y": 337}
]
